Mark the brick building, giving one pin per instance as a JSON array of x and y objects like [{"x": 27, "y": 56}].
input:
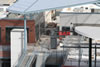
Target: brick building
[{"x": 7, "y": 25}]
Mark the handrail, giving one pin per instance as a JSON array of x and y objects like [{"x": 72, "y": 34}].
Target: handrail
[
  {"x": 32, "y": 58},
  {"x": 19, "y": 56},
  {"x": 20, "y": 60}
]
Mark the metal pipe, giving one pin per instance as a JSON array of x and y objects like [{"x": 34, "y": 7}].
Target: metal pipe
[
  {"x": 79, "y": 53},
  {"x": 25, "y": 34},
  {"x": 83, "y": 43},
  {"x": 95, "y": 55},
  {"x": 39, "y": 31},
  {"x": 90, "y": 52},
  {"x": 77, "y": 47}
]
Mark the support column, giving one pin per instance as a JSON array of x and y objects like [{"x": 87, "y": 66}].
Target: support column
[
  {"x": 25, "y": 34},
  {"x": 39, "y": 31},
  {"x": 90, "y": 52}
]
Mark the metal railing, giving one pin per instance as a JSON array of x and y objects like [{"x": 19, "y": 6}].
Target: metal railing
[
  {"x": 20, "y": 59},
  {"x": 31, "y": 60}
]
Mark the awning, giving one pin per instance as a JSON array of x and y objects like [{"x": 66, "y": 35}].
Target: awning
[
  {"x": 31, "y": 6},
  {"x": 89, "y": 31}
]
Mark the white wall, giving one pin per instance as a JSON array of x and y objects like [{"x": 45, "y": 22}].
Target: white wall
[
  {"x": 66, "y": 19},
  {"x": 48, "y": 16}
]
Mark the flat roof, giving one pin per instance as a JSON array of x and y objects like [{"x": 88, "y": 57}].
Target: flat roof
[{"x": 89, "y": 31}]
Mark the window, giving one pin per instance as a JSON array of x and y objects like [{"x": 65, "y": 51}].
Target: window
[
  {"x": 86, "y": 8},
  {"x": 6, "y": 4},
  {"x": 65, "y": 28},
  {"x": 92, "y": 10},
  {"x": 8, "y": 30}
]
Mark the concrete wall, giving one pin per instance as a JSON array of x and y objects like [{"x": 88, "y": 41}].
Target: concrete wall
[{"x": 79, "y": 18}]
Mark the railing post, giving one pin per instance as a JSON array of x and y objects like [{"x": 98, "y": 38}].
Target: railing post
[
  {"x": 90, "y": 52},
  {"x": 95, "y": 55}
]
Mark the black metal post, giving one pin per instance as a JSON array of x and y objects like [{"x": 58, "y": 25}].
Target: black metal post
[
  {"x": 79, "y": 56},
  {"x": 95, "y": 55},
  {"x": 90, "y": 52}
]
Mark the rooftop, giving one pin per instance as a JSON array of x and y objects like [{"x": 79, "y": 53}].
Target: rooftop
[{"x": 6, "y": 2}]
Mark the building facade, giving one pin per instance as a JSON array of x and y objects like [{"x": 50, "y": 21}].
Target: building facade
[{"x": 7, "y": 25}]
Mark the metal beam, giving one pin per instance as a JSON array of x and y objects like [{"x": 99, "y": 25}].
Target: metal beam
[
  {"x": 25, "y": 34},
  {"x": 77, "y": 47},
  {"x": 82, "y": 43}
]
